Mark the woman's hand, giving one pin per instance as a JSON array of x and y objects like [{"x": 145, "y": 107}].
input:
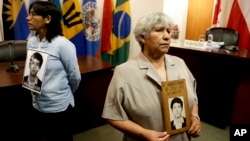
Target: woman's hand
[
  {"x": 151, "y": 135},
  {"x": 195, "y": 129},
  {"x": 130, "y": 127}
]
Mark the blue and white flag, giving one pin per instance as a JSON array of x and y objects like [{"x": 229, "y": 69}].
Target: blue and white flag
[{"x": 91, "y": 31}]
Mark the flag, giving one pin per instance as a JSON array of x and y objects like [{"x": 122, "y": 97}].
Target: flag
[
  {"x": 15, "y": 25},
  {"x": 216, "y": 11},
  {"x": 239, "y": 19},
  {"x": 235, "y": 14},
  {"x": 120, "y": 37},
  {"x": 91, "y": 31},
  {"x": 222, "y": 12},
  {"x": 56, "y": 2},
  {"x": 72, "y": 23},
  {"x": 107, "y": 24},
  {"x": 107, "y": 21}
]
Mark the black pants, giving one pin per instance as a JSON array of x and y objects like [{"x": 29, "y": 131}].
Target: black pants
[{"x": 52, "y": 126}]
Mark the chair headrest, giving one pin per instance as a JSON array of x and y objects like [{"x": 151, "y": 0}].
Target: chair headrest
[
  {"x": 229, "y": 36},
  {"x": 13, "y": 50}
]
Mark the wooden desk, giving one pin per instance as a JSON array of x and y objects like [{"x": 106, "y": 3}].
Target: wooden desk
[
  {"x": 87, "y": 64},
  {"x": 89, "y": 97},
  {"x": 218, "y": 74}
]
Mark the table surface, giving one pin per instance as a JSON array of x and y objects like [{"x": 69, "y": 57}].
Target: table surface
[
  {"x": 87, "y": 64},
  {"x": 241, "y": 53}
]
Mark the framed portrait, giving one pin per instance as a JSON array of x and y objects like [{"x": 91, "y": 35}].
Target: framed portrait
[
  {"x": 175, "y": 106},
  {"x": 35, "y": 66}
]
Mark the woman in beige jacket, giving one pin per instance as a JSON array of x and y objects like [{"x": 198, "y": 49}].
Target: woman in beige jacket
[{"x": 133, "y": 102}]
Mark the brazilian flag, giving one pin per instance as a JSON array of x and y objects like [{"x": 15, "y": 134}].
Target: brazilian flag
[{"x": 120, "y": 37}]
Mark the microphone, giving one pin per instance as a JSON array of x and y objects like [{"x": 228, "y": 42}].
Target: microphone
[
  {"x": 12, "y": 67},
  {"x": 10, "y": 50}
]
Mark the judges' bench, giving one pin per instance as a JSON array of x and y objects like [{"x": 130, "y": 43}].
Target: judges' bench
[{"x": 220, "y": 75}]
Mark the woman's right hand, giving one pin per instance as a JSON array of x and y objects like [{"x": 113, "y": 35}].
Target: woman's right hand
[
  {"x": 130, "y": 127},
  {"x": 151, "y": 135}
]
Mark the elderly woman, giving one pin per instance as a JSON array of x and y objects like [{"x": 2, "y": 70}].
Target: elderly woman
[{"x": 133, "y": 103}]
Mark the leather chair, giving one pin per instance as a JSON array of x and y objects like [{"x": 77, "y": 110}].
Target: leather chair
[
  {"x": 13, "y": 50},
  {"x": 229, "y": 36}
]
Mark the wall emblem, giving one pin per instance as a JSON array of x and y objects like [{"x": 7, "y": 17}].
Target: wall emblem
[{"x": 91, "y": 22}]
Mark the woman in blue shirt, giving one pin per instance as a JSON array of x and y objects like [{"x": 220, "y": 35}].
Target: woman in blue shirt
[{"x": 61, "y": 76}]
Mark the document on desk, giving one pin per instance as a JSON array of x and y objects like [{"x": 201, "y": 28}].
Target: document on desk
[{"x": 195, "y": 44}]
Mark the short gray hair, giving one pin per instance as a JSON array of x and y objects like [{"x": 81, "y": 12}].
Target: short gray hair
[{"x": 146, "y": 23}]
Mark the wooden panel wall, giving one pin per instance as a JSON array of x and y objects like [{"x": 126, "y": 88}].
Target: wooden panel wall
[{"x": 200, "y": 13}]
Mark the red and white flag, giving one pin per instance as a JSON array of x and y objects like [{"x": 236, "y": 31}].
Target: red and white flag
[
  {"x": 221, "y": 12},
  {"x": 234, "y": 14},
  {"x": 239, "y": 19},
  {"x": 217, "y": 10}
]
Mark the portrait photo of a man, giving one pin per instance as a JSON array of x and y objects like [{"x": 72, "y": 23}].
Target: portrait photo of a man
[
  {"x": 179, "y": 120},
  {"x": 34, "y": 63}
]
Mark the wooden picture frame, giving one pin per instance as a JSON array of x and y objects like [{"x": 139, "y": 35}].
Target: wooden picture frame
[{"x": 174, "y": 93}]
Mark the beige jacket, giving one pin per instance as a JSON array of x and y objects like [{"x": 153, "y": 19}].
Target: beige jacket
[{"x": 134, "y": 93}]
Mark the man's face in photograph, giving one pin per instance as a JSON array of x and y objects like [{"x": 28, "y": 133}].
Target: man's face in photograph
[{"x": 34, "y": 66}]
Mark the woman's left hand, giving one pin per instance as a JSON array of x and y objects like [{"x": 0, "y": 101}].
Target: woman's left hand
[{"x": 195, "y": 129}]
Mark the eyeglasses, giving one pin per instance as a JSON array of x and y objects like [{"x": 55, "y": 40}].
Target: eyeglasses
[{"x": 32, "y": 14}]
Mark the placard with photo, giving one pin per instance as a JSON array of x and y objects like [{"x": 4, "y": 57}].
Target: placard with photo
[
  {"x": 175, "y": 105},
  {"x": 35, "y": 66}
]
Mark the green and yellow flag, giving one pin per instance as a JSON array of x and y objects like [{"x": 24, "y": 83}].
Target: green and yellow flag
[{"x": 120, "y": 36}]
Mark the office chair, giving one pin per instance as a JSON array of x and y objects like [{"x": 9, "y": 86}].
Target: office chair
[
  {"x": 229, "y": 36},
  {"x": 13, "y": 50}
]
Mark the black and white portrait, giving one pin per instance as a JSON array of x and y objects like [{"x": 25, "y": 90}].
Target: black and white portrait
[
  {"x": 34, "y": 70},
  {"x": 178, "y": 117}
]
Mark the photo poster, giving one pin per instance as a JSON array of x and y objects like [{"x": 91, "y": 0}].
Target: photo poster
[
  {"x": 175, "y": 91},
  {"x": 36, "y": 70}
]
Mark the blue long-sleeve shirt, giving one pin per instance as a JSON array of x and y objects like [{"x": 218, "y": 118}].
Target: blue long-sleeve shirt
[{"x": 62, "y": 75}]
